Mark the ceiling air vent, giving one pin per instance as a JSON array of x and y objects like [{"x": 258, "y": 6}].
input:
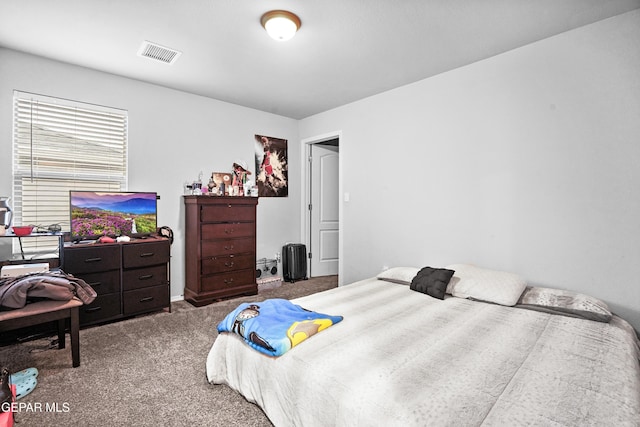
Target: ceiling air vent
[{"x": 159, "y": 53}]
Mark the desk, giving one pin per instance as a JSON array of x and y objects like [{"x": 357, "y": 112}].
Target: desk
[{"x": 23, "y": 260}]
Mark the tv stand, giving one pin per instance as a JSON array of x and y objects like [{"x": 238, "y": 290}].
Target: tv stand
[{"x": 130, "y": 278}]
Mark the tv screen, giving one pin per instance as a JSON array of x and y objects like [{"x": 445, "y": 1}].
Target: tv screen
[{"x": 114, "y": 214}]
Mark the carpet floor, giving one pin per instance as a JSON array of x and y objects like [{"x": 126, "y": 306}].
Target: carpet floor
[{"x": 144, "y": 371}]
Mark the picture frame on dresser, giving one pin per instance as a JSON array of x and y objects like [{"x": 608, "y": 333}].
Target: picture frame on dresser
[{"x": 220, "y": 248}]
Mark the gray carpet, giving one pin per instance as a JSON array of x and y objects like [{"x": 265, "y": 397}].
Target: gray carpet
[{"x": 145, "y": 371}]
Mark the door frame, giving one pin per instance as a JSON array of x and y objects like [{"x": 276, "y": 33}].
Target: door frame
[{"x": 306, "y": 196}]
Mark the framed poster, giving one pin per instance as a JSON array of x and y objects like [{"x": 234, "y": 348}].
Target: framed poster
[{"x": 271, "y": 166}]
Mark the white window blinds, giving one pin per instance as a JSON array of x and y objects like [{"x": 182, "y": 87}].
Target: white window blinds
[{"x": 61, "y": 145}]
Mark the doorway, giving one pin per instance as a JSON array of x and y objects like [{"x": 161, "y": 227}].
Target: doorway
[{"x": 323, "y": 207}]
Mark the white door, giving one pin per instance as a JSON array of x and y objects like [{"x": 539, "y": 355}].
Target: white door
[{"x": 324, "y": 209}]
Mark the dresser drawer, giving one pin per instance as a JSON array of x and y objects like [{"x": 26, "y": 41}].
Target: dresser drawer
[
  {"x": 231, "y": 230},
  {"x": 227, "y": 246},
  {"x": 104, "y": 307},
  {"x": 219, "y": 264},
  {"x": 144, "y": 254},
  {"x": 227, "y": 212},
  {"x": 89, "y": 259},
  {"x": 106, "y": 282},
  {"x": 144, "y": 277},
  {"x": 146, "y": 299},
  {"x": 228, "y": 280}
]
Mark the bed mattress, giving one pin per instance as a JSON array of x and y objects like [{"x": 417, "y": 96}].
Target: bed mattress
[{"x": 400, "y": 357}]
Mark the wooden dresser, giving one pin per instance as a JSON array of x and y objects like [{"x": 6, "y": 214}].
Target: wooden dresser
[
  {"x": 220, "y": 248},
  {"x": 130, "y": 278}
]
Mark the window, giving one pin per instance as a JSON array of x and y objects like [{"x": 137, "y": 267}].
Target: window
[{"x": 61, "y": 145}]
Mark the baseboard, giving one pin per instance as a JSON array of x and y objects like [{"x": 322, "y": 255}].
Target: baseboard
[{"x": 177, "y": 298}]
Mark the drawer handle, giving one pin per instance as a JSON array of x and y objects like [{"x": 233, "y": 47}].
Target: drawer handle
[
  {"x": 228, "y": 206},
  {"x": 229, "y": 230},
  {"x": 228, "y": 248},
  {"x": 229, "y": 264},
  {"x": 95, "y": 284},
  {"x": 98, "y": 259},
  {"x": 145, "y": 277},
  {"x": 228, "y": 281},
  {"x": 147, "y": 299},
  {"x": 92, "y": 309},
  {"x": 146, "y": 254}
]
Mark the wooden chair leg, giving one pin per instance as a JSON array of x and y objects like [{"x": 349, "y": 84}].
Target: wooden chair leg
[
  {"x": 75, "y": 336},
  {"x": 61, "y": 334}
]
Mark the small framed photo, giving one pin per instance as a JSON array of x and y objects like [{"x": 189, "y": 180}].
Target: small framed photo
[{"x": 216, "y": 183}]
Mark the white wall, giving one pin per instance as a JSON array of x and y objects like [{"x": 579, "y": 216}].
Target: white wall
[
  {"x": 172, "y": 137},
  {"x": 527, "y": 162}
]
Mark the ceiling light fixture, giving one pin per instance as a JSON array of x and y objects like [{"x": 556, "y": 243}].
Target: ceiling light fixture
[{"x": 280, "y": 24}]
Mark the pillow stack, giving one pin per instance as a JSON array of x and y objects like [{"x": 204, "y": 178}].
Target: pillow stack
[
  {"x": 428, "y": 280},
  {"x": 498, "y": 287},
  {"x": 460, "y": 280}
]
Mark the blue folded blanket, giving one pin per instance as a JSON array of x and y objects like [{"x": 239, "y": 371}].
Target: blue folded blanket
[{"x": 274, "y": 326}]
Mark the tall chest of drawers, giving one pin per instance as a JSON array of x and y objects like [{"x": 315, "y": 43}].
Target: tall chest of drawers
[{"x": 220, "y": 248}]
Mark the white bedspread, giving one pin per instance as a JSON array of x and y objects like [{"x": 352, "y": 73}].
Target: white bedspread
[{"x": 401, "y": 358}]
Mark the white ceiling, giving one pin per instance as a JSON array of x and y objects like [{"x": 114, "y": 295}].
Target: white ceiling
[{"x": 345, "y": 50}]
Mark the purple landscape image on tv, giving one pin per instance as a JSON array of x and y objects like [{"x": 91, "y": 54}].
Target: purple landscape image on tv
[{"x": 95, "y": 214}]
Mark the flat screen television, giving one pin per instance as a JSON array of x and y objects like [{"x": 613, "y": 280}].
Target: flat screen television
[{"x": 95, "y": 214}]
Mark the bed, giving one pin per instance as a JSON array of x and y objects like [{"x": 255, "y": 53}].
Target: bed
[{"x": 401, "y": 357}]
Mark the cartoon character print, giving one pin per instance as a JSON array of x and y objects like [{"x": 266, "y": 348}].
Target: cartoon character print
[
  {"x": 300, "y": 331},
  {"x": 244, "y": 315},
  {"x": 238, "y": 326}
]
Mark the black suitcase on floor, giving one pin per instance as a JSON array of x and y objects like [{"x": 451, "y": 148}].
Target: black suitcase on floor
[{"x": 294, "y": 262}]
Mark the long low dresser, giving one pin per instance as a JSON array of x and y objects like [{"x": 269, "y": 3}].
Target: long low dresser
[{"x": 130, "y": 278}]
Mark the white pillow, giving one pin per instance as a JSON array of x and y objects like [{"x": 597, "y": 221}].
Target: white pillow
[
  {"x": 402, "y": 275},
  {"x": 482, "y": 284}
]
